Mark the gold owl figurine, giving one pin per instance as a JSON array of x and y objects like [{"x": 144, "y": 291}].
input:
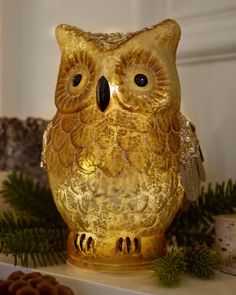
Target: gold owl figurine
[{"x": 119, "y": 154}]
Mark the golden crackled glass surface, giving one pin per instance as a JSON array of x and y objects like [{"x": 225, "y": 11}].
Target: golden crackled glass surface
[{"x": 119, "y": 164}]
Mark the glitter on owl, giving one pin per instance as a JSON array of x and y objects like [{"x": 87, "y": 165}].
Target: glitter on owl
[{"x": 121, "y": 158}]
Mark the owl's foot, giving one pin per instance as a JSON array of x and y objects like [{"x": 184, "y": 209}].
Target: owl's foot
[
  {"x": 84, "y": 242},
  {"x": 128, "y": 245},
  {"x": 115, "y": 251}
]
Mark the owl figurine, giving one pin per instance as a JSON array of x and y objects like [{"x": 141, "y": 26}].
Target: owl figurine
[{"x": 120, "y": 157}]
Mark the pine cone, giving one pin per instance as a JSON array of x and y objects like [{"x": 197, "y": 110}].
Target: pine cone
[{"x": 34, "y": 283}]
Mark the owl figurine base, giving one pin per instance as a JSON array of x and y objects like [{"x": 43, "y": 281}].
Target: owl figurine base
[{"x": 119, "y": 154}]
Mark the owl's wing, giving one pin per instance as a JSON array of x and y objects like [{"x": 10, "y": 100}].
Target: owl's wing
[
  {"x": 43, "y": 162},
  {"x": 191, "y": 160}
]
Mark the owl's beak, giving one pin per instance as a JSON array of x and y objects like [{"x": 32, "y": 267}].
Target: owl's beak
[{"x": 103, "y": 93}]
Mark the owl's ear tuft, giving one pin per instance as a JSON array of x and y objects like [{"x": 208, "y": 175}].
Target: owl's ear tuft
[
  {"x": 65, "y": 33},
  {"x": 168, "y": 32},
  {"x": 61, "y": 34}
]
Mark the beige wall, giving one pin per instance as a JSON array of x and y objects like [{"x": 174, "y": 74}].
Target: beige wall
[
  {"x": 208, "y": 99},
  {"x": 206, "y": 60}
]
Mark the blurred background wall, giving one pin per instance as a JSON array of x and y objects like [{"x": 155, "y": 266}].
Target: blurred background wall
[{"x": 29, "y": 60}]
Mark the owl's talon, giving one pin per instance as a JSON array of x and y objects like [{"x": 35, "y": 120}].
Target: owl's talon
[
  {"x": 132, "y": 245},
  {"x": 128, "y": 244},
  {"x": 75, "y": 241},
  {"x": 89, "y": 241},
  {"x": 81, "y": 241},
  {"x": 120, "y": 242},
  {"x": 136, "y": 244},
  {"x": 84, "y": 243}
]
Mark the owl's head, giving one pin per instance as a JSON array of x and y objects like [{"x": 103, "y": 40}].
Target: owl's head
[{"x": 132, "y": 71}]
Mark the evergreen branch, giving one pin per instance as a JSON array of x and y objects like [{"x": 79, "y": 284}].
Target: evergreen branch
[
  {"x": 31, "y": 237},
  {"x": 197, "y": 224},
  {"x": 36, "y": 229},
  {"x": 10, "y": 222},
  {"x": 30, "y": 197}
]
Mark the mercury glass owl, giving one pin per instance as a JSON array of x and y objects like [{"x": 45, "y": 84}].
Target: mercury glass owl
[{"x": 120, "y": 156}]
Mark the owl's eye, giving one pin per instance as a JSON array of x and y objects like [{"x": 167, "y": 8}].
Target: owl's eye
[
  {"x": 141, "y": 80},
  {"x": 76, "y": 80}
]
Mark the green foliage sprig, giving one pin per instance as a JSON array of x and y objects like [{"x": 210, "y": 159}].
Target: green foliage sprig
[
  {"x": 25, "y": 237},
  {"x": 31, "y": 197},
  {"x": 35, "y": 230},
  {"x": 199, "y": 261},
  {"x": 197, "y": 223}
]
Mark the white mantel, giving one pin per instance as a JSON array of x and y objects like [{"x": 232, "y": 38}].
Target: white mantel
[{"x": 88, "y": 282}]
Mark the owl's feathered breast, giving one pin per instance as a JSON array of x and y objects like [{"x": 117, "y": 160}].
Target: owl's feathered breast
[{"x": 92, "y": 141}]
